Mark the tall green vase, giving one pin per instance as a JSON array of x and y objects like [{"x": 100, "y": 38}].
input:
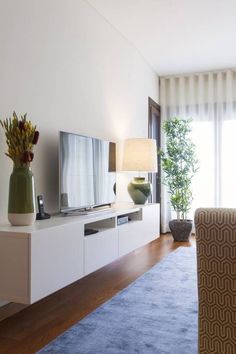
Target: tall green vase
[{"x": 21, "y": 203}]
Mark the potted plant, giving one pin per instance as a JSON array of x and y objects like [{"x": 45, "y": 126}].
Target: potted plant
[
  {"x": 179, "y": 164},
  {"x": 21, "y": 136}
]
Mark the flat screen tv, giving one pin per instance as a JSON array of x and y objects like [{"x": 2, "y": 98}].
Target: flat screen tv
[{"x": 87, "y": 172}]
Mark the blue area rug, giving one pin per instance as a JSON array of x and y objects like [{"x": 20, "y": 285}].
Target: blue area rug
[{"x": 157, "y": 314}]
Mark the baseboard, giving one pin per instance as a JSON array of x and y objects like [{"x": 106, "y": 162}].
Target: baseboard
[{"x": 2, "y": 303}]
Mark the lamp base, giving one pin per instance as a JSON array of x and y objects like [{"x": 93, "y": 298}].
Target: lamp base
[{"x": 139, "y": 190}]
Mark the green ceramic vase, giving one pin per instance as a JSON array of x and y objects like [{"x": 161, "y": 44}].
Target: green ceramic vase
[
  {"x": 21, "y": 202},
  {"x": 139, "y": 190}
]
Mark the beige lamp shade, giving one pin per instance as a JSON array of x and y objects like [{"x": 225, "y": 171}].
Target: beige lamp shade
[{"x": 139, "y": 155}]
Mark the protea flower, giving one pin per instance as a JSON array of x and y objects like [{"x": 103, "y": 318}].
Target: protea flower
[
  {"x": 21, "y": 125},
  {"x": 36, "y": 137},
  {"x": 27, "y": 156}
]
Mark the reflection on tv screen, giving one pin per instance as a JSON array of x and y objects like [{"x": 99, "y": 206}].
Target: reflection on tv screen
[{"x": 87, "y": 171}]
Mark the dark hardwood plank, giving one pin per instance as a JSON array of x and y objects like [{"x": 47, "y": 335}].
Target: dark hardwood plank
[
  {"x": 6, "y": 344},
  {"x": 10, "y": 309},
  {"x": 34, "y": 326}
]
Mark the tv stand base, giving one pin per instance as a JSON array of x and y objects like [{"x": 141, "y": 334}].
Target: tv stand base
[{"x": 89, "y": 211}]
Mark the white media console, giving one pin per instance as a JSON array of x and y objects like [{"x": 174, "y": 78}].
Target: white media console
[{"x": 38, "y": 260}]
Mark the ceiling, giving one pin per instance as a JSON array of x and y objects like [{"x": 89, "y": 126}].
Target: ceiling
[{"x": 176, "y": 36}]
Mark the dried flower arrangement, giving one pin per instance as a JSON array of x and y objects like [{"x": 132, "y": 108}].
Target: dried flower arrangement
[{"x": 21, "y": 136}]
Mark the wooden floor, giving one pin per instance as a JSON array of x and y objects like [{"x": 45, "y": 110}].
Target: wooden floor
[{"x": 32, "y": 327}]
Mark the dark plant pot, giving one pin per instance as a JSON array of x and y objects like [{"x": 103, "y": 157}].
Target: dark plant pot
[{"x": 181, "y": 229}]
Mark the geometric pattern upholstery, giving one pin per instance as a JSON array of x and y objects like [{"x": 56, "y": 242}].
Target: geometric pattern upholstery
[{"x": 216, "y": 264}]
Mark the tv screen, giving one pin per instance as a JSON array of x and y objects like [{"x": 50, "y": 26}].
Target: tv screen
[{"x": 87, "y": 172}]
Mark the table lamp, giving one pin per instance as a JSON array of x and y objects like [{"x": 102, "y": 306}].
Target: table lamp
[{"x": 139, "y": 155}]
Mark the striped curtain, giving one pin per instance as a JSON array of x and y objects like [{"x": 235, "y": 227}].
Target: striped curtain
[{"x": 210, "y": 100}]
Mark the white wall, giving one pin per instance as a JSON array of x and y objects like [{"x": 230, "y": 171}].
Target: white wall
[
  {"x": 61, "y": 62},
  {"x": 64, "y": 65}
]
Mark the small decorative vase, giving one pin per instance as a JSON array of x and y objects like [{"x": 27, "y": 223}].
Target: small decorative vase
[
  {"x": 139, "y": 190},
  {"x": 21, "y": 203}
]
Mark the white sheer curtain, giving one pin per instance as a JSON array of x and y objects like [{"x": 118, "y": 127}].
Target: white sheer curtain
[{"x": 210, "y": 100}]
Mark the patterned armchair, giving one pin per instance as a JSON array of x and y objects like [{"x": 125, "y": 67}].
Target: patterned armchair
[{"x": 216, "y": 263}]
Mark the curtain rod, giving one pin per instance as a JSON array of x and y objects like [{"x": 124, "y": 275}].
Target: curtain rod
[{"x": 197, "y": 73}]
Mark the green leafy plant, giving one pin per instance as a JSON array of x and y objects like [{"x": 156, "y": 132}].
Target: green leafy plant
[{"x": 179, "y": 164}]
